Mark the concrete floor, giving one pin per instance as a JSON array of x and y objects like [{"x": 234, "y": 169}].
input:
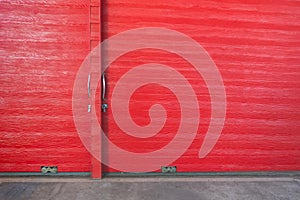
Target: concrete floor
[{"x": 151, "y": 188}]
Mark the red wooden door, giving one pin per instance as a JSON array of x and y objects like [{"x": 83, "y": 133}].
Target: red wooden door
[
  {"x": 255, "y": 46},
  {"x": 42, "y": 46}
]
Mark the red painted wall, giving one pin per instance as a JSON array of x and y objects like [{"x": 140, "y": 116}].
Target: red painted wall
[
  {"x": 42, "y": 46},
  {"x": 255, "y": 45}
]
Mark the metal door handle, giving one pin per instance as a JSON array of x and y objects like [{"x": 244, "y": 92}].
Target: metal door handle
[
  {"x": 89, "y": 85},
  {"x": 103, "y": 86}
]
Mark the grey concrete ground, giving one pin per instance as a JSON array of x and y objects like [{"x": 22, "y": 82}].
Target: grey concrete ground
[{"x": 165, "y": 188}]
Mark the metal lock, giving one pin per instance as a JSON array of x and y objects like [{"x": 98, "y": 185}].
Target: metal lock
[{"x": 104, "y": 107}]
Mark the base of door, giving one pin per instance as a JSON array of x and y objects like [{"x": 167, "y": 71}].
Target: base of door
[
  {"x": 153, "y": 174},
  {"x": 187, "y": 174},
  {"x": 75, "y": 174}
]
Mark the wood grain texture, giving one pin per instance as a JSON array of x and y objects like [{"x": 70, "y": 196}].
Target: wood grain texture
[
  {"x": 42, "y": 46},
  {"x": 255, "y": 45}
]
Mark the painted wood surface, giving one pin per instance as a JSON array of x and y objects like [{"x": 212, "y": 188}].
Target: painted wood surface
[
  {"x": 42, "y": 46},
  {"x": 255, "y": 45}
]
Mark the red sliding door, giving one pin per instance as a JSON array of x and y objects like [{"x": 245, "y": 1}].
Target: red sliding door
[
  {"x": 42, "y": 45},
  {"x": 255, "y": 46}
]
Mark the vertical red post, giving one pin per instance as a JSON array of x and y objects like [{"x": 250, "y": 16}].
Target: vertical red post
[{"x": 95, "y": 39}]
